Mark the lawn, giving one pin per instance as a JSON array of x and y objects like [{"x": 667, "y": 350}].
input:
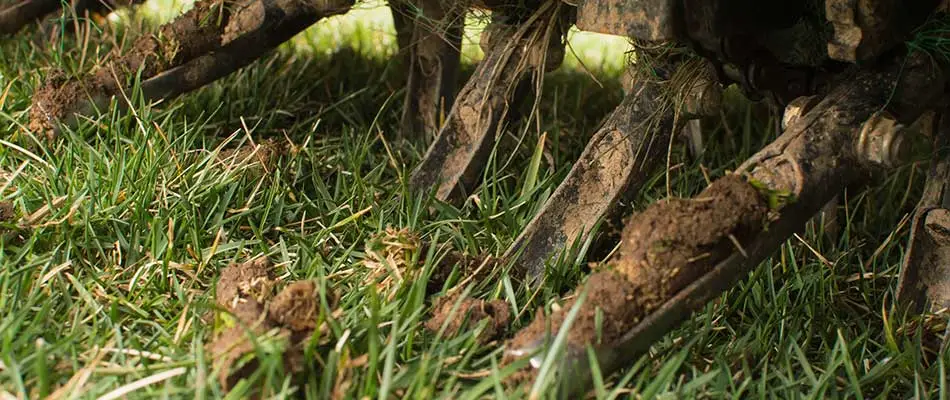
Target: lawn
[{"x": 120, "y": 229}]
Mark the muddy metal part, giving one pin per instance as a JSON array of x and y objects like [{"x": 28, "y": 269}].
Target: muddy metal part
[
  {"x": 15, "y": 16},
  {"x": 620, "y": 157},
  {"x": 617, "y": 160},
  {"x": 864, "y": 29},
  {"x": 812, "y": 161},
  {"x": 203, "y": 54},
  {"x": 514, "y": 49},
  {"x": 430, "y": 31},
  {"x": 925, "y": 277}
]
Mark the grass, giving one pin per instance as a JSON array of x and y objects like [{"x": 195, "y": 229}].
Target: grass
[{"x": 111, "y": 288}]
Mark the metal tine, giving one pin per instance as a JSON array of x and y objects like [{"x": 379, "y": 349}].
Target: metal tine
[
  {"x": 514, "y": 49},
  {"x": 279, "y": 21},
  {"x": 816, "y": 157},
  {"x": 617, "y": 160},
  {"x": 14, "y": 17},
  {"x": 253, "y": 30},
  {"x": 924, "y": 283},
  {"x": 430, "y": 31}
]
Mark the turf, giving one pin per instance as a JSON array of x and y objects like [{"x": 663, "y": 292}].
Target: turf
[{"x": 106, "y": 285}]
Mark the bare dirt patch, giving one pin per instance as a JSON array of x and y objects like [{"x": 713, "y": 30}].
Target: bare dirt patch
[{"x": 664, "y": 248}]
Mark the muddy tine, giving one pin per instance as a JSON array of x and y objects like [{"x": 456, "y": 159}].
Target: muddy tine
[
  {"x": 189, "y": 35},
  {"x": 512, "y": 52},
  {"x": 403, "y": 24},
  {"x": 925, "y": 273},
  {"x": 268, "y": 25},
  {"x": 434, "y": 43},
  {"x": 628, "y": 147},
  {"x": 14, "y": 17},
  {"x": 205, "y": 52},
  {"x": 662, "y": 273},
  {"x": 616, "y": 161}
]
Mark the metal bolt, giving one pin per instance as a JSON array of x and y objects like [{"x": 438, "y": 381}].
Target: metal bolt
[
  {"x": 883, "y": 141},
  {"x": 797, "y": 108}
]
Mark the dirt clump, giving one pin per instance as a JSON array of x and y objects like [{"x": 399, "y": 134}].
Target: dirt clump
[
  {"x": 469, "y": 314},
  {"x": 296, "y": 307},
  {"x": 391, "y": 259},
  {"x": 397, "y": 255},
  {"x": 663, "y": 249},
  {"x": 53, "y": 100},
  {"x": 251, "y": 280},
  {"x": 7, "y": 212},
  {"x": 246, "y": 292}
]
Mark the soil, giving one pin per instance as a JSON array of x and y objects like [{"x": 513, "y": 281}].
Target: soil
[
  {"x": 663, "y": 249},
  {"x": 191, "y": 34},
  {"x": 470, "y": 313},
  {"x": 54, "y": 100},
  {"x": 468, "y": 268},
  {"x": 246, "y": 290},
  {"x": 7, "y": 212},
  {"x": 239, "y": 283},
  {"x": 296, "y": 307},
  {"x": 246, "y": 18}
]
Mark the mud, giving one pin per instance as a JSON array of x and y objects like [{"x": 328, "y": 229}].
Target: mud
[
  {"x": 296, "y": 307},
  {"x": 664, "y": 248},
  {"x": 246, "y": 291},
  {"x": 469, "y": 267},
  {"x": 246, "y": 18},
  {"x": 55, "y": 99},
  {"x": 188, "y": 36},
  {"x": 469, "y": 314},
  {"x": 7, "y": 212}
]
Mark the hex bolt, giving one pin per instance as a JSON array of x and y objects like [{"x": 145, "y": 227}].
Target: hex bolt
[
  {"x": 883, "y": 141},
  {"x": 798, "y": 108}
]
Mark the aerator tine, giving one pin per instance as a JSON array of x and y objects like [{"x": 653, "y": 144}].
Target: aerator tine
[
  {"x": 15, "y": 15},
  {"x": 666, "y": 268},
  {"x": 212, "y": 40},
  {"x": 627, "y": 149},
  {"x": 518, "y": 42},
  {"x": 924, "y": 283},
  {"x": 430, "y": 34}
]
